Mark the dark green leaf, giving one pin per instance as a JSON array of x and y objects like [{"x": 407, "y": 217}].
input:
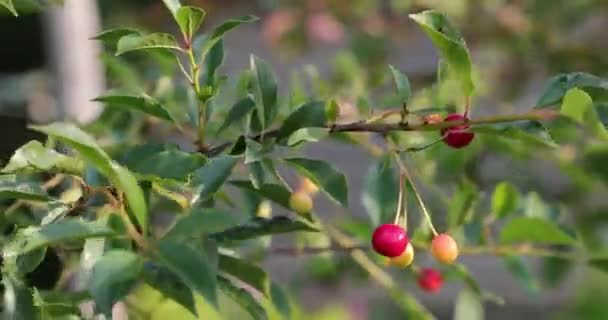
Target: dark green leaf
[
  {"x": 191, "y": 266},
  {"x": 578, "y": 105},
  {"x": 555, "y": 271},
  {"x": 535, "y": 230},
  {"x": 594, "y": 160},
  {"x": 258, "y": 227},
  {"x": 202, "y": 221},
  {"x": 8, "y": 4},
  {"x": 33, "y": 156},
  {"x": 169, "y": 284},
  {"x": 213, "y": 61},
  {"x": 462, "y": 205},
  {"x": 18, "y": 300},
  {"x": 210, "y": 178},
  {"x": 280, "y": 300},
  {"x": 32, "y": 238},
  {"x": 450, "y": 44},
  {"x": 13, "y": 187},
  {"x": 138, "y": 102},
  {"x": 328, "y": 178},
  {"x": 113, "y": 277},
  {"x": 92, "y": 153},
  {"x": 111, "y": 37},
  {"x": 218, "y": 32},
  {"x": 537, "y": 137},
  {"x": 247, "y": 272},
  {"x": 265, "y": 91},
  {"x": 155, "y": 161},
  {"x": 153, "y": 41},
  {"x": 307, "y": 134},
  {"x": 556, "y": 87},
  {"x": 505, "y": 200},
  {"x": 254, "y": 151},
  {"x": 468, "y": 306},
  {"x": 521, "y": 273},
  {"x": 59, "y": 305},
  {"x": 238, "y": 111},
  {"x": 311, "y": 114},
  {"x": 402, "y": 84},
  {"x": 243, "y": 298},
  {"x": 274, "y": 192},
  {"x": 380, "y": 190},
  {"x": 189, "y": 19}
]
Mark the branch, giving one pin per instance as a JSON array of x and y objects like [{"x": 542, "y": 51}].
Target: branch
[{"x": 363, "y": 126}]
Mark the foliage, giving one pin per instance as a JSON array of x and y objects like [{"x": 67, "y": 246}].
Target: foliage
[{"x": 99, "y": 202}]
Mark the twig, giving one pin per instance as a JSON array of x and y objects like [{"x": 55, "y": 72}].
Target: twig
[{"x": 363, "y": 126}]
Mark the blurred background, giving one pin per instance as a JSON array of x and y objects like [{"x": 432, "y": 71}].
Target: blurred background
[{"x": 49, "y": 70}]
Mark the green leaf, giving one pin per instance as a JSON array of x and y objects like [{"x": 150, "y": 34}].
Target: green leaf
[
  {"x": 380, "y": 190},
  {"x": 189, "y": 19},
  {"x": 311, "y": 114},
  {"x": 219, "y": 31},
  {"x": 522, "y": 274},
  {"x": 263, "y": 172},
  {"x": 535, "y": 230},
  {"x": 169, "y": 284},
  {"x": 533, "y": 134},
  {"x": 258, "y": 227},
  {"x": 275, "y": 192},
  {"x": 328, "y": 178},
  {"x": 556, "y": 87},
  {"x": 153, "y": 41},
  {"x": 332, "y": 111},
  {"x": 450, "y": 44},
  {"x": 468, "y": 306},
  {"x": 92, "y": 153},
  {"x": 243, "y": 298},
  {"x": 111, "y": 37},
  {"x": 402, "y": 84},
  {"x": 210, "y": 178},
  {"x": 34, "y": 157},
  {"x": 172, "y": 5},
  {"x": 247, "y": 272},
  {"x": 8, "y": 4},
  {"x": 14, "y": 187},
  {"x": 238, "y": 111},
  {"x": 280, "y": 300},
  {"x": 505, "y": 200},
  {"x": 113, "y": 277},
  {"x": 156, "y": 161},
  {"x": 463, "y": 273},
  {"x": 462, "y": 205},
  {"x": 33, "y": 238},
  {"x": 254, "y": 151},
  {"x": 202, "y": 221},
  {"x": 213, "y": 61},
  {"x": 307, "y": 134},
  {"x": 265, "y": 93},
  {"x": 578, "y": 105},
  {"x": 18, "y": 300},
  {"x": 191, "y": 266},
  {"x": 139, "y": 102}
]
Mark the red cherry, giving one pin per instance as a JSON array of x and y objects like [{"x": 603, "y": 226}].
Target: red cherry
[
  {"x": 458, "y": 136},
  {"x": 430, "y": 280},
  {"x": 389, "y": 240}
]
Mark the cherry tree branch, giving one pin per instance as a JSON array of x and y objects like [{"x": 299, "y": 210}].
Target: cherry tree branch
[{"x": 384, "y": 128}]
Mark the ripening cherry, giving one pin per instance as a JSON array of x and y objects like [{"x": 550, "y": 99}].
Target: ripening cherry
[
  {"x": 430, "y": 280},
  {"x": 444, "y": 248},
  {"x": 458, "y": 136},
  {"x": 389, "y": 240},
  {"x": 308, "y": 186},
  {"x": 300, "y": 202},
  {"x": 405, "y": 259}
]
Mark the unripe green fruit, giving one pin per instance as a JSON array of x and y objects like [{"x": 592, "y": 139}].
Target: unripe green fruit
[
  {"x": 444, "y": 248},
  {"x": 300, "y": 202},
  {"x": 405, "y": 259}
]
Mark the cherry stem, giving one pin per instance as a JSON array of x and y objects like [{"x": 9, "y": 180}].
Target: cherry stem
[
  {"x": 467, "y": 106},
  {"x": 399, "y": 200},
  {"x": 403, "y": 200},
  {"x": 425, "y": 211}
]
